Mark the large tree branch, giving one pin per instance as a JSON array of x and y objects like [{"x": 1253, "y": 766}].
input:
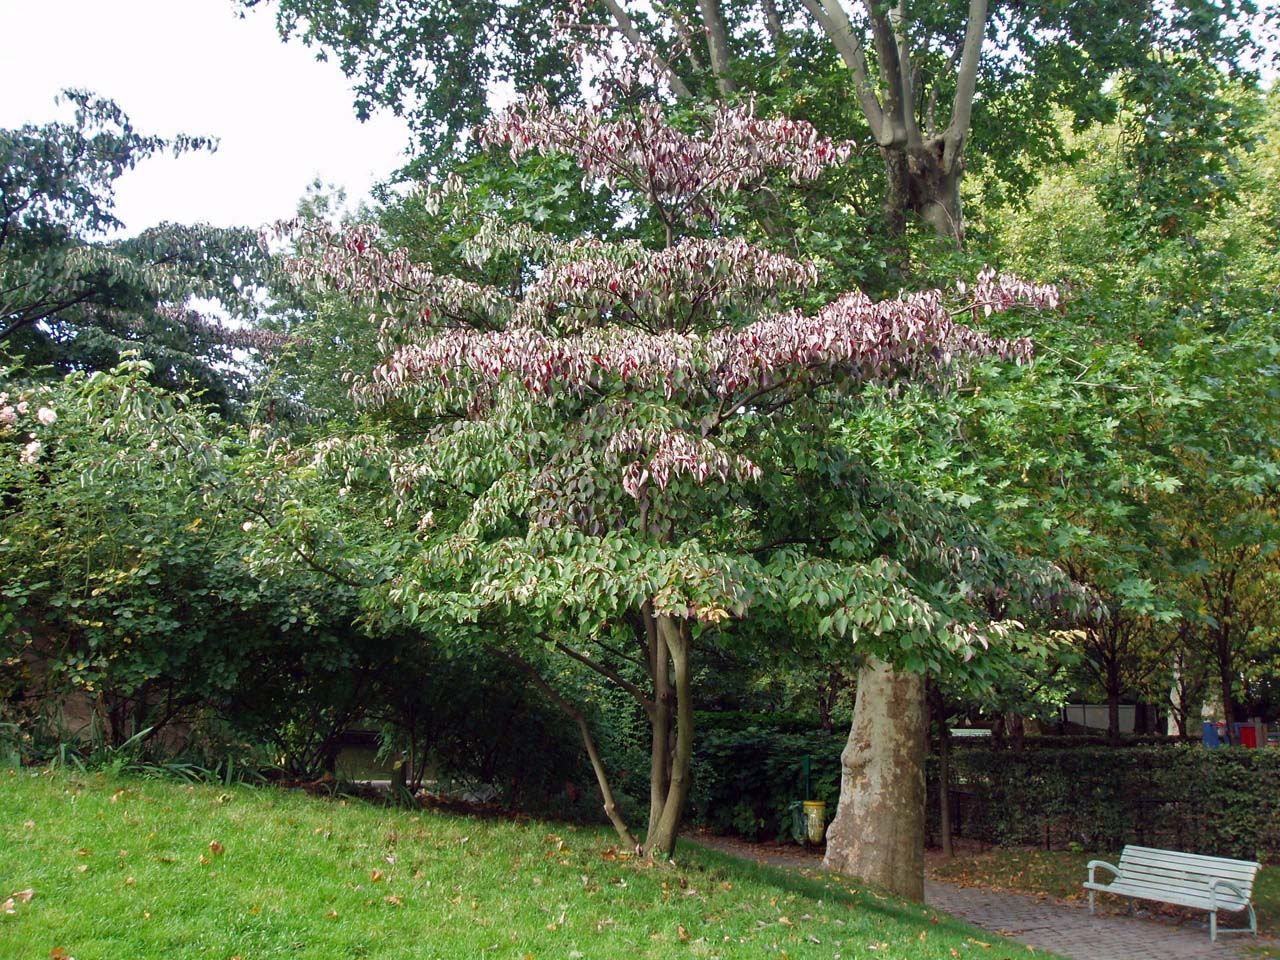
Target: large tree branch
[
  {"x": 626, "y": 26},
  {"x": 966, "y": 85},
  {"x": 718, "y": 44},
  {"x": 608, "y": 674},
  {"x": 893, "y": 95},
  {"x": 773, "y": 23},
  {"x": 835, "y": 24},
  {"x": 906, "y": 73}
]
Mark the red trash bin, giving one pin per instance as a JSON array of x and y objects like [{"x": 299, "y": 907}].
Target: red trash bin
[{"x": 1248, "y": 735}]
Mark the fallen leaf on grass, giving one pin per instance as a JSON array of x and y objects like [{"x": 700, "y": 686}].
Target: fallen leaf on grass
[
  {"x": 681, "y": 932},
  {"x": 29, "y": 824},
  {"x": 394, "y": 901},
  {"x": 59, "y": 953},
  {"x": 332, "y": 915},
  {"x": 216, "y": 848},
  {"x": 376, "y": 875},
  {"x": 786, "y": 921},
  {"x": 82, "y": 868}
]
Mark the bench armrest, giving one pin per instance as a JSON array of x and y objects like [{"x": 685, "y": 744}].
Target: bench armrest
[
  {"x": 1215, "y": 883},
  {"x": 1094, "y": 864}
]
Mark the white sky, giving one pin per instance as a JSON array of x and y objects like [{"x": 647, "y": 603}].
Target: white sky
[{"x": 192, "y": 66}]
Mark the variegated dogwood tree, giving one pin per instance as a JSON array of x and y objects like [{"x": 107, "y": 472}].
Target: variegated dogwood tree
[{"x": 624, "y": 453}]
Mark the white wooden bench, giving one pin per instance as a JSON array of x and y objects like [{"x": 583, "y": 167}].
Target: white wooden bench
[{"x": 1185, "y": 879}]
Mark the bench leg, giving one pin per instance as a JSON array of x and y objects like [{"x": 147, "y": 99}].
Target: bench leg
[
  {"x": 1091, "y": 901},
  {"x": 1213, "y": 926}
]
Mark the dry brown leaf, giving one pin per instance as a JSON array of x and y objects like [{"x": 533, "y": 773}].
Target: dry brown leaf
[
  {"x": 9, "y": 906},
  {"x": 786, "y": 921},
  {"x": 216, "y": 848},
  {"x": 376, "y": 875},
  {"x": 129, "y": 881},
  {"x": 59, "y": 953},
  {"x": 29, "y": 824},
  {"x": 681, "y": 932},
  {"x": 82, "y": 852},
  {"x": 332, "y": 915},
  {"x": 394, "y": 901},
  {"x": 82, "y": 868},
  {"x": 609, "y": 854},
  {"x": 24, "y": 896},
  {"x": 204, "y": 861}
]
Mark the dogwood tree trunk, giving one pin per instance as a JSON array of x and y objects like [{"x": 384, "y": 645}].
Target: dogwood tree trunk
[{"x": 878, "y": 831}]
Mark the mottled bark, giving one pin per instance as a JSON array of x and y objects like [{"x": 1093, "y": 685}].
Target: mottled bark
[
  {"x": 918, "y": 181},
  {"x": 878, "y": 831}
]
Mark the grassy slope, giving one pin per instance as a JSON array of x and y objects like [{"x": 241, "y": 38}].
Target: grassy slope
[
  {"x": 124, "y": 869},
  {"x": 1059, "y": 873}
]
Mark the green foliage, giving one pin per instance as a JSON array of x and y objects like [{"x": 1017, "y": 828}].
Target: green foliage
[
  {"x": 77, "y": 302},
  {"x": 1221, "y": 802},
  {"x": 463, "y": 717},
  {"x": 748, "y": 772},
  {"x": 124, "y": 590}
]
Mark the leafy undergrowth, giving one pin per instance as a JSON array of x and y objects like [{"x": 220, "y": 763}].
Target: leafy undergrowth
[
  {"x": 1059, "y": 873},
  {"x": 97, "y": 868}
]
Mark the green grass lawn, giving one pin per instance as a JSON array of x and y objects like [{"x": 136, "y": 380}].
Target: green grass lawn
[
  {"x": 120, "y": 869},
  {"x": 1059, "y": 873}
]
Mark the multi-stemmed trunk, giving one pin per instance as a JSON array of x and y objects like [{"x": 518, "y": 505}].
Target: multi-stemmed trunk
[
  {"x": 666, "y": 642},
  {"x": 672, "y": 747}
]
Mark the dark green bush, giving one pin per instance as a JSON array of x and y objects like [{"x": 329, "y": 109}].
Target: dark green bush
[{"x": 748, "y": 772}]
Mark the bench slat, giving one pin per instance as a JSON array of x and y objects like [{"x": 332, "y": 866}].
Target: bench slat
[
  {"x": 1143, "y": 892},
  {"x": 1216, "y": 865},
  {"x": 1182, "y": 878}
]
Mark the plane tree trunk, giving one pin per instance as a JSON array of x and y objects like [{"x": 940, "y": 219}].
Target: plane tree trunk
[{"x": 878, "y": 831}]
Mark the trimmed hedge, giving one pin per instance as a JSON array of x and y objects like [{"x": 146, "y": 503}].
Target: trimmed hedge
[{"x": 1224, "y": 802}]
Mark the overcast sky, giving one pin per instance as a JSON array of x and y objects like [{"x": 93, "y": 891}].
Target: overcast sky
[{"x": 192, "y": 66}]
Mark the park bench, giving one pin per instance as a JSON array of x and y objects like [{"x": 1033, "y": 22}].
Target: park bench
[{"x": 1184, "y": 879}]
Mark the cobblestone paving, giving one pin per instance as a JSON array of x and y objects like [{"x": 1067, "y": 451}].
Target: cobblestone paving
[
  {"x": 1069, "y": 930},
  {"x": 1066, "y": 929}
]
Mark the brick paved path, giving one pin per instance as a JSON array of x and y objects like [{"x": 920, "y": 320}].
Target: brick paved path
[{"x": 1066, "y": 929}]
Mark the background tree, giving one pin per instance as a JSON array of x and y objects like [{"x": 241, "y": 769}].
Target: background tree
[
  {"x": 185, "y": 297},
  {"x": 918, "y": 80}
]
